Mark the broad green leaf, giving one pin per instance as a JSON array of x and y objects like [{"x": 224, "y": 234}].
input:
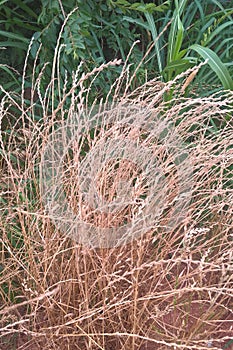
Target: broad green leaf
[{"x": 216, "y": 64}]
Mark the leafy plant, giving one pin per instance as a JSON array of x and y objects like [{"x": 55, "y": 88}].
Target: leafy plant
[
  {"x": 94, "y": 33},
  {"x": 182, "y": 32},
  {"x": 192, "y": 30},
  {"x": 17, "y": 25}
]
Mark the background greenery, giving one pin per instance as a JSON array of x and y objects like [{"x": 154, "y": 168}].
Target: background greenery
[{"x": 183, "y": 32}]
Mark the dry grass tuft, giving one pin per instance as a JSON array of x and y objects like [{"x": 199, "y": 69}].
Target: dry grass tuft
[{"x": 169, "y": 286}]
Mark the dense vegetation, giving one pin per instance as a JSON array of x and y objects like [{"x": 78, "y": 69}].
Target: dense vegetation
[
  {"x": 172, "y": 61},
  {"x": 183, "y": 33}
]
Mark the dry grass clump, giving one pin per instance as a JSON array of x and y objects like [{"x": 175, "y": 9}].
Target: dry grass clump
[{"x": 168, "y": 284}]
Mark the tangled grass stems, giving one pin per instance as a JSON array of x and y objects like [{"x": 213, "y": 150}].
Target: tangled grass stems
[{"x": 170, "y": 287}]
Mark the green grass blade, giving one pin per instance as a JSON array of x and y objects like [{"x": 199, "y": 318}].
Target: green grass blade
[
  {"x": 98, "y": 44},
  {"x": 216, "y": 65},
  {"x": 119, "y": 45},
  {"x": 177, "y": 66},
  {"x": 13, "y": 36},
  {"x": 179, "y": 39},
  {"x": 25, "y": 8},
  {"x": 200, "y": 10},
  {"x": 176, "y": 32},
  {"x": 136, "y": 21},
  {"x": 8, "y": 71},
  {"x": 218, "y": 30},
  {"x": 18, "y": 44},
  {"x": 154, "y": 34}
]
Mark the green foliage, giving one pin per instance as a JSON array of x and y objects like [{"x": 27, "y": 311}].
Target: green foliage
[
  {"x": 182, "y": 40},
  {"x": 192, "y": 27},
  {"x": 18, "y": 22},
  {"x": 140, "y": 6},
  {"x": 94, "y": 33},
  {"x": 183, "y": 33},
  {"x": 216, "y": 64},
  {"x": 17, "y": 25}
]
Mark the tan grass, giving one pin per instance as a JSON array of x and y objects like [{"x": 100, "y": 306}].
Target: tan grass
[{"x": 171, "y": 286}]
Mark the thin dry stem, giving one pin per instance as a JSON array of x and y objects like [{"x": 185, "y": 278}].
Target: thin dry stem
[{"x": 168, "y": 287}]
